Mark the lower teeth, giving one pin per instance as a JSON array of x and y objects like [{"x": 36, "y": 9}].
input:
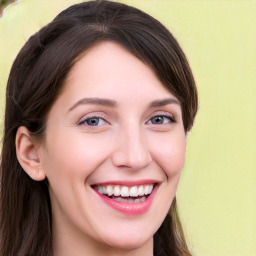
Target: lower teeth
[{"x": 130, "y": 200}]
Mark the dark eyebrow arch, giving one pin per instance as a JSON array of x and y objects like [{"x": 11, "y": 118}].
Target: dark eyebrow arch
[
  {"x": 163, "y": 102},
  {"x": 94, "y": 101}
]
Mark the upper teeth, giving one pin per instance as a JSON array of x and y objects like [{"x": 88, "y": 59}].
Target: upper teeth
[{"x": 125, "y": 191}]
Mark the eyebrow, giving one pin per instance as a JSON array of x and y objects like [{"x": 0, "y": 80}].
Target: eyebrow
[
  {"x": 94, "y": 101},
  {"x": 113, "y": 104},
  {"x": 164, "y": 102}
]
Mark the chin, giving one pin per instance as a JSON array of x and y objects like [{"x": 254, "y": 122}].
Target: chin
[{"x": 131, "y": 242}]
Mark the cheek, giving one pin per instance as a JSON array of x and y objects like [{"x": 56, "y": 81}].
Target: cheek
[
  {"x": 169, "y": 150},
  {"x": 74, "y": 153},
  {"x": 68, "y": 160}
]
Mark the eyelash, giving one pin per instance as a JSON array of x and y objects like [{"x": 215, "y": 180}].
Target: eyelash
[
  {"x": 170, "y": 118},
  {"x": 85, "y": 121}
]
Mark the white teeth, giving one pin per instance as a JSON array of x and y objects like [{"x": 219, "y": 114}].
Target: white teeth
[
  {"x": 99, "y": 188},
  {"x": 125, "y": 191},
  {"x": 141, "y": 190},
  {"x": 146, "y": 190},
  {"x": 130, "y": 200},
  {"x": 143, "y": 199},
  {"x": 133, "y": 191},
  {"x": 117, "y": 191},
  {"x": 109, "y": 190},
  {"x": 150, "y": 189}
]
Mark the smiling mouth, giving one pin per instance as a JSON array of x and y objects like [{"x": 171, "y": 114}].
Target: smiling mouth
[{"x": 126, "y": 194}]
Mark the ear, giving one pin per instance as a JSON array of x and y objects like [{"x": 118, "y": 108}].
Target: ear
[{"x": 28, "y": 155}]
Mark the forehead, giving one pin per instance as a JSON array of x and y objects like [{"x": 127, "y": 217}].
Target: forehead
[{"x": 108, "y": 67}]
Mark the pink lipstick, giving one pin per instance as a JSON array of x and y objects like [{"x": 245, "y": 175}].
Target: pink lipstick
[{"x": 133, "y": 198}]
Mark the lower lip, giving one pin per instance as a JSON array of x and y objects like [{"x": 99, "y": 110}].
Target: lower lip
[{"x": 129, "y": 208}]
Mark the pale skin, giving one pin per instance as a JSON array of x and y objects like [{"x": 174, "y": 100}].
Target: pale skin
[{"x": 113, "y": 121}]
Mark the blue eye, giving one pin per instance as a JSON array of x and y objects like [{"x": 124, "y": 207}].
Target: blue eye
[
  {"x": 93, "y": 121},
  {"x": 161, "y": 120}
]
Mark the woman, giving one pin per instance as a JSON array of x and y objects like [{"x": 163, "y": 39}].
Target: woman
[{"x": 98, "y": 106}]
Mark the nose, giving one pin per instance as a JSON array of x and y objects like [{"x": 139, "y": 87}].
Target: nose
[{"x": 131, "y": 151}]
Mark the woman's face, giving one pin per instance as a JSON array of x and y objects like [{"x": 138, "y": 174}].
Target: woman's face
[{"x": 113, "y": 152}]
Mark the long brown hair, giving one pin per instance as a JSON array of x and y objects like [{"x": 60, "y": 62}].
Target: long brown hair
[{"x": 35, "y": 81}]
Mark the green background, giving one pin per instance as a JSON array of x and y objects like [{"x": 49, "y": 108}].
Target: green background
[{"x": 217, "y": 192}]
